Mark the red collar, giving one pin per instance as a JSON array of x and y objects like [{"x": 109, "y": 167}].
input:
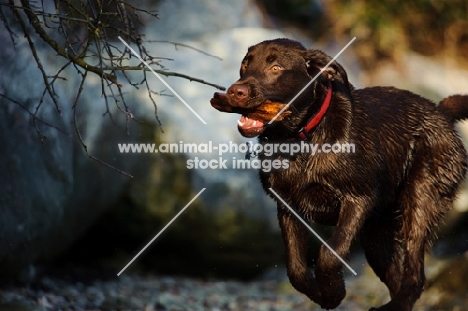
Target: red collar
[{"x": 316, "y": 118}]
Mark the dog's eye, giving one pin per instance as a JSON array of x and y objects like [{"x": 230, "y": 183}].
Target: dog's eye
[
  {"x": 276, "y": 68},
  {"x": 244, "y": 67}
]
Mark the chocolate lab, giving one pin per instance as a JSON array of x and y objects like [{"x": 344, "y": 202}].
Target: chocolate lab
[{"x": 392, "y": 192}]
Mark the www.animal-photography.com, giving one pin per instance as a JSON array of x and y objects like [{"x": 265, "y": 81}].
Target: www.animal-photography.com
[{"x": 223, "y": 156}]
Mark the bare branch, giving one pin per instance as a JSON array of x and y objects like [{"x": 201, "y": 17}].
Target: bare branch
[
  {"x": 36, "y": 58},
  {"x": 36, "y": 24},
  {"x": 83, "y": 32},
  {"x": 149, "y": 12},
  {"x": 176, "y": 74},
  {"x": 78, "y": 133}
]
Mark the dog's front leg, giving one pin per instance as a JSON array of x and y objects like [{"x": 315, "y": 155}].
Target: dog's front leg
[
  {"x": 328, "y": 269},
  {"x": 295, "y": 240}
]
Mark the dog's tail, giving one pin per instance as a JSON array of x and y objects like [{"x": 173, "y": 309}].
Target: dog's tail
[{"x": 455, "y": 107}]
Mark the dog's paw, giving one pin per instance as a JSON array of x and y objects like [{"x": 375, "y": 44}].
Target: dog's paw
[
  {"x": 333, "y": 295},
  {"x": 332, "y": 289},
  {"x": 391, "y": 306},
  {"x": 330, "y": 280}
]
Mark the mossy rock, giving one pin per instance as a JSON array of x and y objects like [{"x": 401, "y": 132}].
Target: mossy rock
[{"x": 224, "y": 242}]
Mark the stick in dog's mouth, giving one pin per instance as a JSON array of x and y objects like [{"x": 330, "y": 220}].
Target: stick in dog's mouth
[{"x": 252, "y": 120}]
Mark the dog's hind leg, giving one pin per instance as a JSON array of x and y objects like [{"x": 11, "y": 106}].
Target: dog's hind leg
[
  {"x": 295, "y": 240},
  {"x": 422, "y": 208},
  {"x": 414, "y": 231},
  {"x": 383, "y": 248}
]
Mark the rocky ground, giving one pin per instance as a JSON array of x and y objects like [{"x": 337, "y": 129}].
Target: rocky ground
[{"x": 163, "y": 293}]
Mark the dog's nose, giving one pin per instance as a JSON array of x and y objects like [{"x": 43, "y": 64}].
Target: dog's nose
[{"x": 238, "y": 93}]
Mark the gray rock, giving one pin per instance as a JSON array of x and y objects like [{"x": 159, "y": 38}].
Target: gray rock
[{"x": 50, "y": 192}]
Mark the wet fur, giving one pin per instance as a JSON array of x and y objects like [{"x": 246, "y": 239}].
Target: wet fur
[{"x": 392, "y": 193}]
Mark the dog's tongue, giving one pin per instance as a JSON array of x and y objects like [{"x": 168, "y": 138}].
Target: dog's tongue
[{"x": 246, "y": 123}]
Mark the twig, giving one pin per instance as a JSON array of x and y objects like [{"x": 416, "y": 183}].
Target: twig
[
  {"x": 176, "y": 44},
  {"x": 34, "y": 20},
  {"x": 150, "y": 93},
  {"x": 78, "y": 133},
  {"x": 7, "y": 26},
  {"x": 152, "y": 13},
  {"x": 36, "y": 58},
  {"x": 176, "y": 74},
  {"x": 33, "y": 115},
  {"x": 82, "y": 33},
  {"x": 167, "y": 74}
]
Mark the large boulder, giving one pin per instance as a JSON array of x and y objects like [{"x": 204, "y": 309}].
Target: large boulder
[{"x": 50, "y": 191}]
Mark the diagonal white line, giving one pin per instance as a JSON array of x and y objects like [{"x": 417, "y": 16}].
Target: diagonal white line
[
  {"x": 162, "y": 230},
  {"x": 164, "y": 82},
  {"x": 313, "y": 79},
  {"x": 312, "y": 230}
]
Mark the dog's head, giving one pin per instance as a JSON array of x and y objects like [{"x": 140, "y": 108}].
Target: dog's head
[{"x": 276, "y": 71}]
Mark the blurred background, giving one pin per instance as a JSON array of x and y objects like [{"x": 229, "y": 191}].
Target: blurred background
[{"x": 67, "y": 222}]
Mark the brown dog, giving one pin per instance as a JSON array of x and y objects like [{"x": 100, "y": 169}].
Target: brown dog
[{"x": 392, "y": 192}]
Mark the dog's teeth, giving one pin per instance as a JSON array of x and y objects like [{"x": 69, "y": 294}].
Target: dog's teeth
[
  {"x": 240, "y": 123},
  {"x": 255, "y": 123}
]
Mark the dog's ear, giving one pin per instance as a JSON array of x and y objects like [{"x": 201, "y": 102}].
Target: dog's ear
[
  {"x": 329, "y": 72},
  {"x": 316, "y": 61}
]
